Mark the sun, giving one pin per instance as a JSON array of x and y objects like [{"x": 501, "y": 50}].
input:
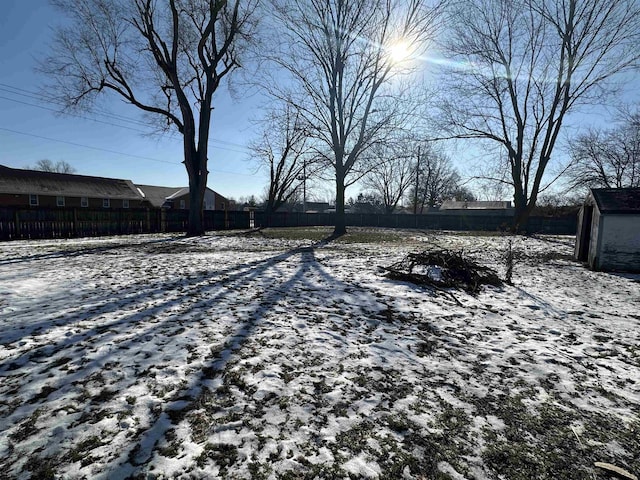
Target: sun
[{"x": 399, "y": 51}]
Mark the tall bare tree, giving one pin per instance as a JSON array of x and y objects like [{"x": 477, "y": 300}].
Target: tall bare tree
[
  {"x": 283, "y": 149},
  {"x": 343, "y": 59},
  {"x": 607, "y": 158},
  {"x": 391, "y": 174},
  {"x": 165, "y": 57},
  {"x": 437, "y": 179},
  {"x": 518, "y": 68}
]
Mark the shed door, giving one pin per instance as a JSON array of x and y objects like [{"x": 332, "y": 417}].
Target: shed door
[{"x": 585, "y": 233}]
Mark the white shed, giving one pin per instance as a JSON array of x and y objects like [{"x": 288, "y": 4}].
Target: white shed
[{"x": 608, "y": 236}]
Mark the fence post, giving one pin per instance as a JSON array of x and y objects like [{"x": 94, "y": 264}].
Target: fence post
[
  {"x": 74, "y": 222},
  {"x": 17, "y": 222}
]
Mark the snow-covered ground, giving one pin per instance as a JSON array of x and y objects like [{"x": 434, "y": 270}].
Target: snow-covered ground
[{"x": 239, "y": 356}]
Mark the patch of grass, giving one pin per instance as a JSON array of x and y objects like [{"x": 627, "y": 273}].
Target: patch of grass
[
  {"x": 259, "y": 471},
  {"x": 81, "y": 451},
  {"x": 314, "y": 471},
  {"x": 104, "y": 396},
  {"x": 61, "y": 361},
  {"x": 174, "y": 445},
  {"x": 44, "y": 393},
  {"x": 200, "y": 425},
  {"x": 41, "y": 468},
  {"x": 541, "y": 444},
  {"x": 223, "y": 454},
  {"x": 93, "y": 416},
  {"x": 27, "y": 428},
  {"x": 406, "y": 447},
  {"x": 355, "y": 439},
  {"x": 353, "y": 235}
]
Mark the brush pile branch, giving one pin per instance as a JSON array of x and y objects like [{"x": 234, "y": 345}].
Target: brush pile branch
[{"x": 443, "y": 269}]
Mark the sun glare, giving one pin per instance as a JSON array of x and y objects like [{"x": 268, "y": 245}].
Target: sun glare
[{"x": 399, "y": 51}]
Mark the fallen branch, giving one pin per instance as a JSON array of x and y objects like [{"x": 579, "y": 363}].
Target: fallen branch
[
  {"x": 443, "y": 269},
  {"x": 619, "y": 472}
]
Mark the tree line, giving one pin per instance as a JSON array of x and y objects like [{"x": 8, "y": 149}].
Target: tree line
[{"x": 347, "y": 88}]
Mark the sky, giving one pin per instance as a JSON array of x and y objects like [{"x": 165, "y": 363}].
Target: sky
[{"x": 117, "y": 146}]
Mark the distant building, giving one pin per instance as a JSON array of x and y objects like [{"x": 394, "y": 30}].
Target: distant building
[
  {"x": 315, "y": 207},
  {"x": 608, "y": 236},
  {"x": 33, "y": 188},
  {"x": 475, "y": 205},
  {"x": 498, "y": 208},
  {"x": 178, "y": 198}
]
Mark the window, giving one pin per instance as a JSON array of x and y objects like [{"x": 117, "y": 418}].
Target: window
[
  {"x": 125, "y": 203},
  {"x": 84, "y": 202},
  {"x": 106, "y": 203},
  {"x": 59, "y": 201},
  {"x": 221, "y": 205},
  {"x": 183, "y": 204},
  {"x": 33, "y": 200}
]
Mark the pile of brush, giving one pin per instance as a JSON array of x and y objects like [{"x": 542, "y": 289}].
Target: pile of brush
[{"x": 443, "y": 269}]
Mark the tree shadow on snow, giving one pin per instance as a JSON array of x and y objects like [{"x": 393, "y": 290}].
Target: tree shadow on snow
[{"x": 88, "y": 353}]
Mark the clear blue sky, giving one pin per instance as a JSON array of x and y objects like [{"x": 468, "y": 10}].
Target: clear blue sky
[
  {"x": 119, "y": 147},
  {"x": 110, "y": 147}
]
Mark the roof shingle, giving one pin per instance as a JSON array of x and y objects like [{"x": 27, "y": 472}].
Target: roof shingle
[
  {"x": 17, "y": 181},
  {"x": 617, "y": 200}
]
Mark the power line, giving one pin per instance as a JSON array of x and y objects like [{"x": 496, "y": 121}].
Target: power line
[
  {"x": 72, "y": 114},
  {"x": 34, "y": 95},
  {"x": 86, "y": 146},
  {"x": 107, "y": 123},
  {"x": 115, "y": 151}
]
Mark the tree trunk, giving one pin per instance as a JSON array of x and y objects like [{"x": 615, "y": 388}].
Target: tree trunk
[
  {"x": 197, "y": 170},
  {"x": 268, "y": 213},
  {"x": 341, "y": 224},
  {"x": 521, "y": 214}
]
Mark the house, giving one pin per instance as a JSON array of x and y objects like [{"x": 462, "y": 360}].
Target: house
[
  {"x": 32, "y": 188},
  {"x": 178, "y": 197},
  {"x": 453, "y": 207},
  {"x": 475, "y": 205},
  {"x": 608, "y": 236}
]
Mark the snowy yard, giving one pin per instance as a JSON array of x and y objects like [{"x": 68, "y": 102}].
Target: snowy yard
[{"x": 241, "y": 356}]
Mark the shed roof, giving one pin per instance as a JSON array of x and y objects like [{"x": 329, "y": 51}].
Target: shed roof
[
  {"x": 617, "y": 200},
  {"x": 25, "y": 182}
]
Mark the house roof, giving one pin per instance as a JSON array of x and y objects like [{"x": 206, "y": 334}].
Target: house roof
[
  {"x": 157, "y": 196},
  {"x": 479, "y": 205},
  {"x": 25, "y": 182},
  {"x": 617, "y": 200}
]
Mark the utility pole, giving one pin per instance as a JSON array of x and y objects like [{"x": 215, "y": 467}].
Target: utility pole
[
  {"x": 415, "y": 193},
  {"x": 303, "y": 178},
  {"x": 304, "y": 184}
]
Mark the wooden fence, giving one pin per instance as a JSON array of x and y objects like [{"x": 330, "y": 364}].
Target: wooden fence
[
  {"x": 25, "y": 223},
  {"x": 563, "y": 225}
]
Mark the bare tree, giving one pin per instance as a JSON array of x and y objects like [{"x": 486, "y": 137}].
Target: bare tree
[
  {"x": 519, "y": 68},
  {"x": 437, "y": 179},
  {"x": 61, "y": 166},
  {"x": 284, "y": 150},
  {"x": 607, "y": 158},
  {"x": 391, "y": 174},
  {"x": 343, "y": 60},
  {"x": 165, "y": 57}
]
